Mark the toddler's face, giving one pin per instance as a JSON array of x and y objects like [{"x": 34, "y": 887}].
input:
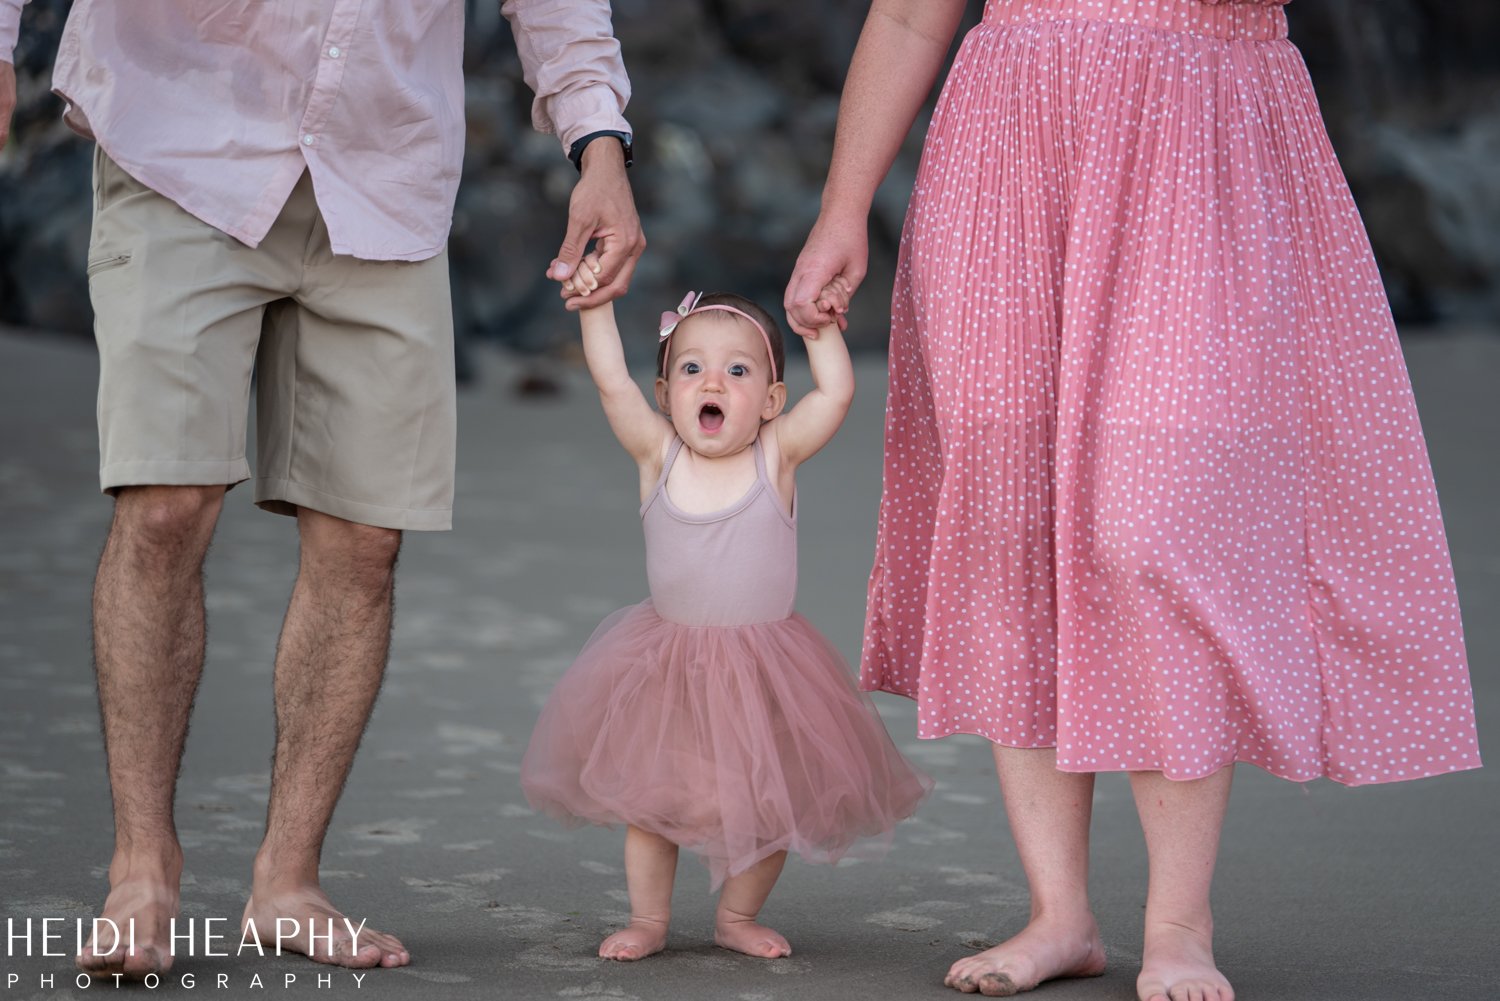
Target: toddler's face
[{"x": 718, "y": 387}]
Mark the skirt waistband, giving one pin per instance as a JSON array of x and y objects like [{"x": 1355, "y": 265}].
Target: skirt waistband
[{"x": 1235, "y": 22}]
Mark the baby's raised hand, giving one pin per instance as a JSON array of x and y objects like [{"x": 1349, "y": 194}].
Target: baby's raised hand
[
  {"x": 585, "y": 279},
  {"x": 834, "y": 297}
]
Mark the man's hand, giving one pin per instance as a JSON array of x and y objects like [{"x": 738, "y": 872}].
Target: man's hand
[
  {"x": 603, "y": 210},
  {"x": 7, "y": 99},
  {"x": 828, "y": 271}
]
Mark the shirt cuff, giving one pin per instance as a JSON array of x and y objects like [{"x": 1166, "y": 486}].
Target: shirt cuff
[
  {"x": 10, "y": 28},
  {"x": 578, "y": 112}
]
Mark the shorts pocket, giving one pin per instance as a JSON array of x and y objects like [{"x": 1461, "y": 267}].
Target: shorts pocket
[{"x": 107, "y": 263}]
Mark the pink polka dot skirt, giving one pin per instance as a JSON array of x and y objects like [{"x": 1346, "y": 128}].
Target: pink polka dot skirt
[{"x": 1155, "y": 489}]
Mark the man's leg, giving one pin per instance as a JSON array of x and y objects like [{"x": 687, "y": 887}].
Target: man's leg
[
  {"x": 355, "y": 436},
  {"x": 148, "y": 656},
  {"x": 329, "y": 665}
]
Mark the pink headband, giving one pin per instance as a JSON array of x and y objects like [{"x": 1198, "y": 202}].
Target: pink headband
[{"x": 689, "y": 306}]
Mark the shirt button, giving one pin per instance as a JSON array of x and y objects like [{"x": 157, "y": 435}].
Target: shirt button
[
  {"x": 309, "y": 139},
  {"x": 334, "y": 52}
]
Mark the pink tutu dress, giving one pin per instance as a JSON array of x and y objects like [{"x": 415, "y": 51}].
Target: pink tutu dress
[
  {"x": 714, "y": 715},
  {"x": 1155, "y": 489}
]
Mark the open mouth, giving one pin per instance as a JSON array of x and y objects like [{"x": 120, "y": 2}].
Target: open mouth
[{"x": 710, "y": 418}]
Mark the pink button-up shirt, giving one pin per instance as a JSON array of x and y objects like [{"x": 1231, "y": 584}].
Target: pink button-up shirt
[{"x": 220, "y": 105}]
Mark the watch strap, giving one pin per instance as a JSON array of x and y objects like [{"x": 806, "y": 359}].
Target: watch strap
[{"x": 575, "y": 151}]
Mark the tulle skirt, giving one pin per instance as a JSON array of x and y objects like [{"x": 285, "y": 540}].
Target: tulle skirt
[
  {"x": 1155, "y": 489},
  {"x": 735, "y": 742}
]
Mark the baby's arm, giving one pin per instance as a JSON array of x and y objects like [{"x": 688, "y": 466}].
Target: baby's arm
[
  {"x": 812, "y": 422},
  {"x": 639, "y": 427}
]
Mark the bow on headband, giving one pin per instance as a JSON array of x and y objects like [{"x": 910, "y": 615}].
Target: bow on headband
[{"x": 669, "y": 320}]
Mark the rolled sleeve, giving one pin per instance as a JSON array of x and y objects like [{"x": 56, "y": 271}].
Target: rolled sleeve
[
  {"x": 10, "y": 28},
  {"x": 571, "y": 60}
]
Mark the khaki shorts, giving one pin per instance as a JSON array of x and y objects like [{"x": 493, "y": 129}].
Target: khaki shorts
[{"x": 354, "y": 359}]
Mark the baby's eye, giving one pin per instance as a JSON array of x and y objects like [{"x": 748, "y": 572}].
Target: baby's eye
[
  {"x": 738, "y": 370},
  {"x": 690, "y": 368}
]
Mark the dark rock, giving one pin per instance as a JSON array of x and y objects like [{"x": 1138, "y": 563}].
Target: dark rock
[{"x": 734, "y": 109}]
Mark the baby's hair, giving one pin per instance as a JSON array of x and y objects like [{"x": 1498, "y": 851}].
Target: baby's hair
[{"x": 767, "y": 322}]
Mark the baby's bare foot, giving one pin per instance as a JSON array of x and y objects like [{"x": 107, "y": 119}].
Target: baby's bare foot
[
  {"x": 750, "y": 938},
  {"x": 333, "y": 941},
  {"x": 141, "y": 906},
  {"x": 1178, "y": 965},
  {"x": 637, "y": 940},
  {"x": 1044, "y": 950}
]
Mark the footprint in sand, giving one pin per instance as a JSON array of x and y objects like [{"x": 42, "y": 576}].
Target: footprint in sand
[
  {"x": 915, "y": 917},
  {"x": 597, "y": 990}
]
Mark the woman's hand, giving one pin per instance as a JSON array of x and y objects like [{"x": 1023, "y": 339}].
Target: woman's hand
[{"x": 829, "y": 269}]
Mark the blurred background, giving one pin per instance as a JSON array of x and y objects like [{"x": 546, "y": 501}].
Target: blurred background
[{"x": 734, "y": 110}]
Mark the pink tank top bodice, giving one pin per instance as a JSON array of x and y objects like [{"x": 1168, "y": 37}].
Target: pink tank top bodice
[{"x": 732, "y": 567}]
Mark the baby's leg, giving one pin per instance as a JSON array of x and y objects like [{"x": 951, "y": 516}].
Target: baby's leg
[
  {"x": 650, "y": 868},
  {"x": 740, "y": 902}
]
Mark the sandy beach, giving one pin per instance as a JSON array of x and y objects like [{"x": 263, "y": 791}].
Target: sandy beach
[{"x": 1323, "y": 892}]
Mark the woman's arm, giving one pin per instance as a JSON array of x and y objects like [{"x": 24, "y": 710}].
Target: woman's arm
[{"x": 899, "y": 54}]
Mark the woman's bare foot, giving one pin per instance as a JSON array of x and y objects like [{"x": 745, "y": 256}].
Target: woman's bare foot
[
  {"x": 745, "y": 935},
  {"x": 1178, "y": 965},
  {"x": 637, "y": 940},
  {"x": 1044, "y": 950},
  {"x": 335, "y": 943},
  {"x": 148, "y": 896}
]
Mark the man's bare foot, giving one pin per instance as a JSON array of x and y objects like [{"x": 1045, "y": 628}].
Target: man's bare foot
[
  {"x": 744, "y": 935},
  {"x": 637, "y": 940},
  {"x": 147, "y": 896},
  {"x": 1178, "y": 965},
  {"x": 310, "y": 908},
  {"x": 1044, "y": 950}
]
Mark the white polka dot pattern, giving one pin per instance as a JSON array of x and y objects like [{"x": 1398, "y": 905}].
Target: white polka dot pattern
[{"x": 1155, "y": 489}]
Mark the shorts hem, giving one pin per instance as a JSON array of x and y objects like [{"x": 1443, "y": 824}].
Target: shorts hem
[
  {"x": 172, "y": 473},
  {"x": 282, "y": 496}
]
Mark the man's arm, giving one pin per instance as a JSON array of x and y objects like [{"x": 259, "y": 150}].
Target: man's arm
[
  {"x": 571, "y": 60},
  {"x": 10, "y": 30}
]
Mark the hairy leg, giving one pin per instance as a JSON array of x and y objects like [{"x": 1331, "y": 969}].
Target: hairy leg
[
  {"x": 740, "y": 902},
  {"x": 650, "y": 870},
  {"x": 329, "y": 665},
  {"x": 148, "y": 656},
  {"x": 1049, "y": 815},
  {"x": 1182, "y": 821}
]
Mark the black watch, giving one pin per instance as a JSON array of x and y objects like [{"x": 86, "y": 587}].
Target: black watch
[{"x": 575, "y": 152}]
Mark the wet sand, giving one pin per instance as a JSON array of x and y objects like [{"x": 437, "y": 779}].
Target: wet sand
[{"x": 1323, "y": 892}]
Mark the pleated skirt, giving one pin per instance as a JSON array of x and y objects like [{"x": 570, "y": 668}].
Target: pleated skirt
[{"x": 1155, "y": 491}]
